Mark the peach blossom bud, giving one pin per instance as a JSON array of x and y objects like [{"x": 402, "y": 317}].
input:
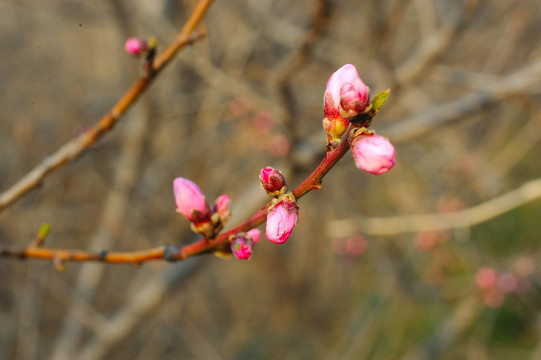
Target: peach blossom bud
[
  {"x": 507, "y": 283},
  {"x": 190, "y": 200},
  {"x": 136, "y": 46},
  {"x": 373, "y": 154},
  {"x": 272, "y": 180},
  {"x": 242, "y": 246},
  {"x": 493, "y": 298},
  {"x": 222, "y": 206},
  {"x": 281, "y": 219},
  {"x": 486, "y": 277},
  {"x": 356, "y": 245},
  {"x": 255, "y": 234},
  {"x": 355, "y": 97},
  {"x": 346, "y": 96}
]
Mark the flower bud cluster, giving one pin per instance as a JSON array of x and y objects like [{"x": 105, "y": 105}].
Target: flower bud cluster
[
  {"x": 206, "y": 220},
  {"x": 347, "y": 102},
  {"x": 282, "y": 215},
  {"x": 243, "y": 243},
  {"x": 494, "y": 285},
  {"x": 346, "y": 97}
]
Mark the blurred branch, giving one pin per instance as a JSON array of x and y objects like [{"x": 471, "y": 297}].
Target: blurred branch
[
  {"x": 414, "y": 223},
  {"x": 450, "y": 329},
  {"x": 145, "y": 302},
  {"x": 436, "y": 116},
  {"x": 76, "y": 147},
  {"x": 291, "y": 65}
]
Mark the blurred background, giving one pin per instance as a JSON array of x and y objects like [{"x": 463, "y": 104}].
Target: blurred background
[{"x": 436, "y": 259}]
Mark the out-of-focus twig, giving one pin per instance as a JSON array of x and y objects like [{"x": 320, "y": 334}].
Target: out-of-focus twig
[
  {"x": 293, "y": 63},
  {"x": 439, "y": 115},
  {"x": 457, "y": 322},
  {"x": 76, "y": 147},
  {"x": 414, "y": 223}
]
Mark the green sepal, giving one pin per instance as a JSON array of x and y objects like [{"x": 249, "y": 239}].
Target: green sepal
[
  {"x": 44, "y": 230},
  {"x": 379, "y": 100}
]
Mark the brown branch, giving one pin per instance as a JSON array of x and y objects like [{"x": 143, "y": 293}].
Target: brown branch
[
  {"x": 171, "y": 252},
  {"x": 393, "y": 225},
  {"x": 76, "y": 147}
]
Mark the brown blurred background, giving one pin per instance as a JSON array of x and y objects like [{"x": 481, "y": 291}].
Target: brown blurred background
[{"x": 359, "y": 278}]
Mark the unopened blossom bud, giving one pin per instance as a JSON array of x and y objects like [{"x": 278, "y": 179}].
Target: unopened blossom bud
[
  {"x": 507, "y": 283},
  {"x": 255, "y": 234},
  {"x": 190, "y": 200},
  {"x": 242, "y": 246},
  {"x": 355, "y": 97},
  {"x": 222, "y": 206},
  {"x": 281, "y": 219},
  {"x": 272, "y": 181},
  {"x": 486, "y": 278},
  {"x": 136, "y": 46},
  {"x": 373, "y": 154},
  {"x": 346, "y": 96}
]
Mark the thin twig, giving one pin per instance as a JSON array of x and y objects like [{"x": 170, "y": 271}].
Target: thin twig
[
  {"x": 175, "y": 253},
  {"x": 500, "y": 205},
  {"x": 76, "y": 147}
]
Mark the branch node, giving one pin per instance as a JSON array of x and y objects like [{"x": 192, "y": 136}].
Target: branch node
[
  {"x": 102, "y": 255},
  {"x": 171, "y": 253}
]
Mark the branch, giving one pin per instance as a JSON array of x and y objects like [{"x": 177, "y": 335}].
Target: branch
[
  {"x": 172, "y": 252},
  {"x": 76, "y": 147},
  {"x": 528, "y": 192}
]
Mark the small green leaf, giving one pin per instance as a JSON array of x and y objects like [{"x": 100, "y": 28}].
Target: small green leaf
[
  {"x": 380, "y": 99},
  {"x": 44, "y": 230}
]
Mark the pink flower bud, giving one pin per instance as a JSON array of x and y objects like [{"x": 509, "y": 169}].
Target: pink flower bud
[
  {"x": 242, "y": 246},
  {"x": 281, "y": 219},
  {"x": 345, "y": 96},
  {"x": 136, "y": 46},
  {"x": 507, "y": 283},
  {"x": 493, "y": 298},
  {"x": 373, "y": 154},
  {"x": 222, "y": 206},
  {"x": 486, "y": 277},
  {"x": 355, "y": 97},
  {"x": 272, "y": 181},
  {"x": 190, "y": 200},
  {"x": 255, "y": 234}
]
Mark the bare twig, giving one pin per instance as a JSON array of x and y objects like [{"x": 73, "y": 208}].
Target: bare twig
[
  {"x": 175, "y": 253},
  {"x": 76, "y": 147},
  {"x": 439, "y": 115},
  {"x": 528, "y": 192}
]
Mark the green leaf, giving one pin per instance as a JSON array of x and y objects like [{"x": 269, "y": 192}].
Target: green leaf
[
  {"x": 380, "y": 99},
  {"x": 44, "y": 230}
]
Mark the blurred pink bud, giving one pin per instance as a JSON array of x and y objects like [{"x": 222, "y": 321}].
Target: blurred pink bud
[
  {"x": 222, "y": 206},
  {"x": 493, "y": 298},
  {"x": 255, "y": 234},
  {"x": 373, "y": 154},
  {"x": 486, "y": 277},
  {"x": 281, "y": 219},
  {"x": 241, "y": 247},
  {"x": 263, "y": 121},
  {"x": 356, "y": 245},
  {"x": 136, "y": 46},
  {"x": 278, "y": 145},
  {"x": 190, "y": 200},
  {"x": 507, "y": 283},
  {"x": 272, "y": 180},
  {"x": 524, "y": 266}
]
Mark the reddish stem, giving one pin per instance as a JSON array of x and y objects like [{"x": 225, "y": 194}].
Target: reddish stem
[{"x": 312, "y": 182}]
